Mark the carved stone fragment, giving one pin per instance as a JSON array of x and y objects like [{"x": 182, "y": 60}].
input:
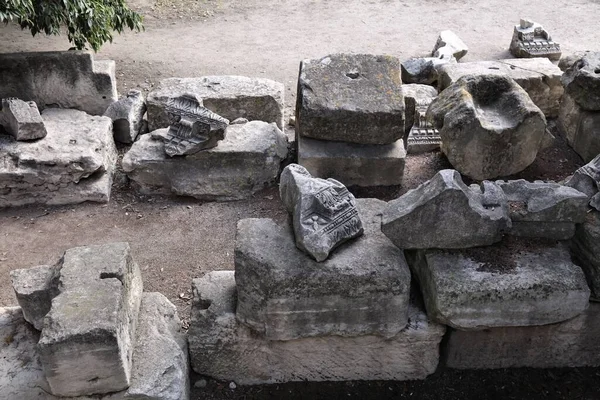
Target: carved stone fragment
[
  {"x": 582, "y": 81},
  {"x": 587, "y": 180},
  {"x": 324, "y": 211},
  {"x": 22, "y": 119},
  {"x": 128, "y": 116},
  {"x": 449, "y": 45},
  {"x": 585, "y": 248},
  {"x": 424, "y": 70},
  {"x": 530, "y": 39},
  {"x": 35, "y": 288},
  {"x": 422, "y": 135}
]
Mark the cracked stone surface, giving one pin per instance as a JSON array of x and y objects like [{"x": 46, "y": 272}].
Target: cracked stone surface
[{"x": 22, "y": 119}]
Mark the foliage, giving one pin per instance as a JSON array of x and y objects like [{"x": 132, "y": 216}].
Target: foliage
[{"x": 88, "y": 22}]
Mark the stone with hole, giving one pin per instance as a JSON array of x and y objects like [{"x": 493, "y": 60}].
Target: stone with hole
[{"x": 127, "y": 115}]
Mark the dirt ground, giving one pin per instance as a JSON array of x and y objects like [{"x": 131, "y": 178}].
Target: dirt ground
[{"x": 177, "y": 239}]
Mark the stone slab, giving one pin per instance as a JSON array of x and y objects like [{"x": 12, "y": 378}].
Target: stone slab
[
  {"x": 225, "y": 349},
  {"x": 361, "y": 289},
  {"x": 72, "y": 164},
  {"x": 246, "y": 161},
  {"x": 585, "y": 248},
  {"x": 65, "y": 79},
  {"x": 581, "y": 128},
  {"x": 229, "y": 96}
]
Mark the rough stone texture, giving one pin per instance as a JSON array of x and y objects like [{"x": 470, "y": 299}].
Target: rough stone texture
[
  {"x": 449, "y": 45},
  {"x": 353, "y": 164},
  {"x": 35, "y": 288},
  {"x": 580, "y": 127},
  {"x": 416, "y": 95},
  {"x": 229, "y": 96},
  {"x": 444, "y": 213},
  {"x": 89, "y": 334},
  {"x": 224, "y": 349},
  {"x": 567, "y": 61},
  {"x": 72, "y": 164},
  {"x": 573, "y": 343},
  {"x": 489, "y": 126},
  {"x": 585, "y": 248},
  {"x": 22, "y": 119},
  {"x": 546, "y": 210},
  {"x": 512, "y": 286},
  {"x": 582, "y": 82},
  {"x": 65, "y": 79},
  {"x": 248, "y": 159},
  {"x": 538, "y": 76},
  {"x": 424, "y": 70},
  {"x": 530, "y": 39},
  {"x": 350, "y": 98},
  {"x": 587, "y": 180},
  {"x": 324, "y": 213},
  {"x": 127, "y": 115},
  {"x": 362, "y": 289},
  {"x": 421, "y": 135}
]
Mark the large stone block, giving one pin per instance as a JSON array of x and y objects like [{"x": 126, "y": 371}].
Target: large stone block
[
  {"x": 229, "y": 96},
  {"x": 582, "y": 81},
  {"x": 508, "y": 284},
  {"x": 489, "y": 126},
  {"x": 362, "y": 289},
  {"x": 353, "y": 164},
  {"x": 585, "y": 248},
  {"x": 247, "y": 160},
  {"x": 587, "y": 180},
  {"x": 72, "y": 164},
  {"x": 580, "y": 127},
  {"x": 67, "y": 79},
  {"x": 127, "y": 115},
  {"x": 538, "y": 76},
  {"x": 573, "y": 343},
  {"x": 444, "y": 213},
  {"x": 225, "y": 349},
  {"x": 350, "y": 98},
  {"x": 22, "y": 119},
  {"x": 88, "y": 336}
]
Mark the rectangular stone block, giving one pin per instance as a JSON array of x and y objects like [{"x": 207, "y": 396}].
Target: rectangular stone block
[
  {"x": 65, "y": 79},
  {"x": 573, "y": 343},
  {"x": 229, "y": 96},
  {"x": 538, "y": 76},
  {"x": 580, "y": 127},
  {"x": 22, "y": 119},
  {"x": 353, "y": 164},
  {"x": 585, "y": 248},
  {"x": 223, "y": 348}
]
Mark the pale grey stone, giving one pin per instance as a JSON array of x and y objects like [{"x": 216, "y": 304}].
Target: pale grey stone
[
  {"x": 72, "y": 164},
  {"x": 421, "y": 134},
  {"x": 585, "y": 248},
  {"x": 362, "y": 289},
  {"x": 22, "y": 119},
  {"x": 582, "y": 82},
  {"x": 489, "y": 126},
  {"x": 567, "y": 61},
  {"x": 353, "y": 164},
  {"x": 449, "y": 45},
  {"x": 225, "y": 349},
  {"x": 229, "y": 96},
  {"x": 517, "y": 286},
  {"x": 573, "y": 343},
  {"x": 587, "y": 180},
  {"x": 352, "y": 98},
  {"x": 324, "y": 213},
  {"x": 580, "y": 127},
  {"x": 247, "y": 160},
  {"x": 127, "y": 115},
  {"x": 538, "y": 76},
  {"x": 65, "y": 79},
  {"x": 35, "y": 288},
  {"x": 462, "y": 217},
  {"x": 424, "y": 70},
  {"x": 530, "y": 39},
  {"x": 88, "y": 336}
]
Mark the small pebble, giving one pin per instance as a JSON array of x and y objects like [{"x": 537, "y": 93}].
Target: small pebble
[
  {"x": 201, "y": 383},
  {"x": 232, "y": 385}
]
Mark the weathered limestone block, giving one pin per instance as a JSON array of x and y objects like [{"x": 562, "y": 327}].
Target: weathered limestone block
[
  {"x": 22, "y": 119},
  {"x": 587, "y": 180},
  {"x": 585, "y": 248},
  {"x": 127, "y": 115},
  {"x": 72, "y": 164},
  {"x": 507, "y": 284},
  {"x": 573, "y": 343},
  {"x": 362, "y": 289},
  {"x": 545, "y": 210},
  {"x": 229, "y": 96},
  {"x": 35, "y": 288},
  {"x": 422, "y": 136},
  {"x": 567, "y": 61},
  {"x": 225, "y": 349},
  {"x": 353, "y": 164},
  {"x": 530, "y": 39},
  {"x": 449, "y": 45},
  {"x": 247, "y": 160},
  {"x": 324, "y": 213},
  {"x": 444, "y": 213},
  {"x": 352, "y": 98},
  {"x": 425, "y": 70},
  {"x": 582, "y": 82},
  {"x": 538, "y": 76},
  {"x": 489, "y": 126},
  {"x": 88, "y": 337},
  {"x": 65, "y": 79},
  {"x": 580, "y": 127}
]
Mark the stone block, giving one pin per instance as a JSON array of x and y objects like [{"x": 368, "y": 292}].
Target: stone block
[
  {"x": 538, "y": 76},
  {"x": 225, "y": 349},
  {"x": 581, "y": 128},
  {"x": 530, "y": 39},
  {"x": 587, "y": 180},
  {"x": 352, "y": 98},
  {"x": 573, "y": 343},
  {"x": 424, "y": 70},
  {"x": 582, "y": 82},
  {"x": 353, "y": 164},
  {"x": 449, "y": 45},
  {"x": 72, "y": 164},
  {"x": 444, "y": 213},
  {"x": 362, "y": 289},
  {"x": 229, "y": 96},
  {"x": 88, "y": 338},
  {"x": 22, "y": 119},
  {"x": 509, "y": 284},
  {"x": 246, "y": 161},
  {"x": 421, "y": 134},
  {"x": 65, "y": 79},
  {"x": 585, "y": 248},
  {"x": 489, "y": 126},
  {"x": 127, "y": 115}
]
